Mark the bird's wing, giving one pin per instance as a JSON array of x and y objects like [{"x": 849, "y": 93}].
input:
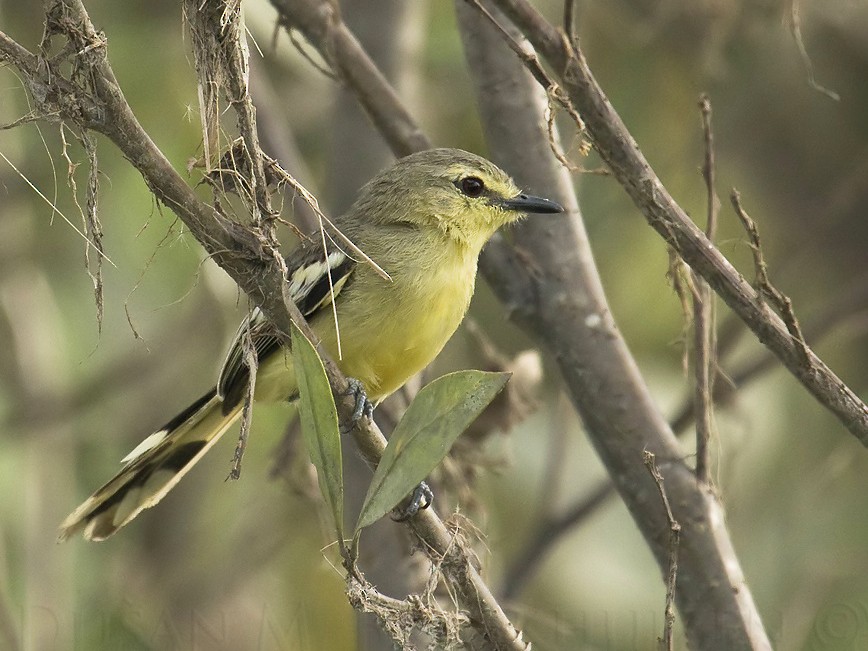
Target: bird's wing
[{"x": 315, "y": 280}]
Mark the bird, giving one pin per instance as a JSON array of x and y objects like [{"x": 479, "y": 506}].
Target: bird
[{"x": 425, "y": 221}]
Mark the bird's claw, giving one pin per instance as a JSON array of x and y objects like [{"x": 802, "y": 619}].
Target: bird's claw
[
  {"x": 363, "y": 407},
  {"x": 421, "y": 498}
]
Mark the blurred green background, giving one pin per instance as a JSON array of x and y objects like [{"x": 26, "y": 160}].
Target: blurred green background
[{"x": 241, "y": 565}]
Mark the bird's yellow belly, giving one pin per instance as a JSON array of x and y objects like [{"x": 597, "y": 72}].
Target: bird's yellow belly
[
  {"x": 384, "y": 369},
  {"x": 381, "y": 370},
  {"x": 384, "y": 346}
]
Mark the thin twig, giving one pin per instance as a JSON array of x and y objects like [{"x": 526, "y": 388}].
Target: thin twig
[
  {"x": 93, "y": 226},
  {"x": 251, "y": 361},
  {"x": 321, "y": 24},
  {"x": 316, "y": 65},
  {"x": 278, "y": 139},
  {"x": 705, "y": 357},
  {"x": 765, "y": 289},
  {"x": 709, "y": 172},
  {"x": 89, "y": 216},
  {"x": 584, "y": 147},
  {"x": 674, "y": 539},
  {"x": 796, "y": 30},
  {"x": 683, "y": 284},
  {"x": 532, "y": 63},
  {"x": 55, "y": 209},
  {"x": 704, "y": 360}
]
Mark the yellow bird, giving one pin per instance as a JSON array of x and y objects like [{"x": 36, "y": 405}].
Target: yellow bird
[{"x": 424, "y": 221}]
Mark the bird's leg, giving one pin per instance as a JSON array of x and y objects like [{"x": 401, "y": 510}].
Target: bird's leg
[
  {"x": 363, "y": 406},
  {"x": 421, "y": 498}
]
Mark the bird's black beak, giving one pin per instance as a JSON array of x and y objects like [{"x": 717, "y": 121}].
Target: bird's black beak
[{"x": 530, "y": 204}]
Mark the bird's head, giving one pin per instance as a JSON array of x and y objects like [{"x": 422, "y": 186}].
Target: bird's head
[{"x": 465, "y": 196}]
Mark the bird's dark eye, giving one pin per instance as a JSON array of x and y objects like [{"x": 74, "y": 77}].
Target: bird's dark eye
[{"x": 472, "y": 186}]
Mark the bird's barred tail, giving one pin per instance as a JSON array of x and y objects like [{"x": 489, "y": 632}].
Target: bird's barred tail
[{"x": 152, "y": 469}]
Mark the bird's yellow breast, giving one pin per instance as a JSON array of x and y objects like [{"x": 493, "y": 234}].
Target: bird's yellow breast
[{"x": 386, "y": 342}]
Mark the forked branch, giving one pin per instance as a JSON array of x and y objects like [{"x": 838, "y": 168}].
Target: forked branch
[{"x": 619, "y": 150}]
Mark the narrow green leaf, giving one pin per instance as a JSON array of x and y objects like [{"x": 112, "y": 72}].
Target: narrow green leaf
[
  {"x": 441, "y": 411},
  {"x": 319, "y": 424}
]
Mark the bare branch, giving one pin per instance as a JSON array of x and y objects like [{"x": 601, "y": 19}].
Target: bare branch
[
  {"x": 617, "y": 147},
  {"x": 764, "y": 287},
  {"x": 90, "y": 216},
  {"x": 561, "y": 299},
  {"x": 549, "y": 532},
  {"x": 674, "y": 539},
  {"x": 709, "y": 171},
  {"x": 321, "y": 24},
  {"x": 246, "y": 255},
  {"x": 705, "y": 357},
  {"x": 221, "y": 54},
  {"x": 570, "y": 19}
]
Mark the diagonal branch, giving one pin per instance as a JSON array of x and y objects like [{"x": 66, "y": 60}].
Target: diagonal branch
[
  {"x": 244, "y": 253},
  {"x": 321, "y": 24},
  {"x": 846, "y": 307},
  {"x": 566, "y": 309},
  {"x": 725, "y": 612},
  {"x": 619, "y": 150}
]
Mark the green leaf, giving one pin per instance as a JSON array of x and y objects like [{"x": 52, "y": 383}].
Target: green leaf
[
  {"x": 319, "y": 424},
  {"x": 441, "y": 411}
]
